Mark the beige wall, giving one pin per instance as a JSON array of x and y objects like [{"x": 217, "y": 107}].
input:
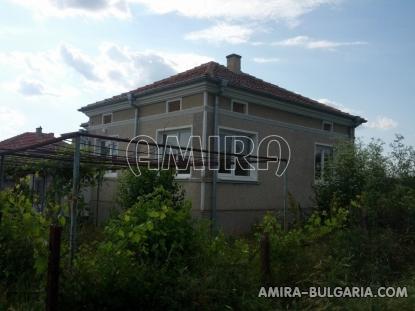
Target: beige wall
[
  {"x": 282, "y": 116},
  {"x": 125, "y": 114},
  {"x": 239, "y": 204},
  {"x": 192, "y": 101},
  {"x": 148, "y": 110},
  {"x": 253, "y": 199}
]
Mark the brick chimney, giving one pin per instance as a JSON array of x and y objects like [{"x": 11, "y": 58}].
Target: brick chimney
[
  {"x": 234, "y": 63},
  {"x": 39, "y": 130}
]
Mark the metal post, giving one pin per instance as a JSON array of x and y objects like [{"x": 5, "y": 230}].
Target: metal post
[
  {"x": 75, "y": 194},
  {"x": 222, "y": 86},
  {"x": 2, "y": 171},
  {"x": 52, "y": 288},
  {"x": 265, "y": 259},
  {"x": 285, "y": 200},
  {"x": 97, "y": 205},
  {"x": 215, "y": 171},
  {"x": 43, "y": 193}
]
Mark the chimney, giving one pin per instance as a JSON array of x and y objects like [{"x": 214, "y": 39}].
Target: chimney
[
  {"x": 39, "y": 130},
  {"x": 234, "y": 63}
]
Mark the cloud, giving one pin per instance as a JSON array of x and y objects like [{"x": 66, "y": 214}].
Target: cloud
[
  {"x": 34, "y": 74},
  {"x": 262, "y": 60},
  {"x": 255, "y": 10},
  {"x": 309, "y": 43},
  {"x": 11, "y": 121},
  {"x": 382, "y": 123},
  {"x": 183, "y": 61},
  {"x": 66, "y": 71},
  {"x": 150, "y": 67},
  {"x": 240, "y": 10},
  {"x": 79, "y": 62},
  {"x": 338, "y": 105},
  {"x": 118, "y": 68},
  {"x": 88, "y": 8},
  {"x": 31, "y": 88},
  {"x": 222, "y": 33},
  {"x": 125, "y": 68}
]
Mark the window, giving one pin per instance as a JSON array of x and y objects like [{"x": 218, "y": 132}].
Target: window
[
  {"x": 108, "y": 148},
  {"x": 107, "y": 118},
  {"x": 177, "y": 138},
  {"x": 236, "y": 166},
  {"x": 174, "y": 105},
  {"x": 323, "y": 154},
  {"x": 327, "y": 126},
  {"x": 239, "y": 107}
]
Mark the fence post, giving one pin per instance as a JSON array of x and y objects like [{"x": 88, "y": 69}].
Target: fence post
[
  {"x": 285, "y": 200},
  {"x": 265, "y": 259},
  {"x": 75, "y": 195},
  {"x": 1, "y": 176},
  {"x": 1, "y": 171},
  {"x": 52, "y": 288}
]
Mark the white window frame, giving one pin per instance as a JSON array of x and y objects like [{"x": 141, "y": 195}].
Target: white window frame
[
  {"x": 239, "y": 102},
  {"x": 253, "y": 174},
  {"x": 173, "y": 100},
  {"x": 109, "y": 173},
  {"x": 105, "y": 115},
  {"x": 327, "y": 122},
  {"x": 321, "y": 179},
  {"x": 159, "y": 133}
]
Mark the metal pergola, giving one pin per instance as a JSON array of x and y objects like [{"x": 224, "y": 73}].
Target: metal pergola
[{"x": 71, "y": 150}]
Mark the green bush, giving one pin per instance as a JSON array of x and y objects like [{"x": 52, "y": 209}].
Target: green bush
[
  {"x": 23, "y": 247},
  {"x": 155, "y": 257},
  {"x": 131, "y": 187},
  {"x": 143, "y": 253}
]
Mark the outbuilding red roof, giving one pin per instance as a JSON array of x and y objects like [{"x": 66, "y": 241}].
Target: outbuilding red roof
[{"x": 24, "y": 140}]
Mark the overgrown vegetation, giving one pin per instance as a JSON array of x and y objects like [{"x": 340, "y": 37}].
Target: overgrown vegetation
[{"x": 154, "y": 256}]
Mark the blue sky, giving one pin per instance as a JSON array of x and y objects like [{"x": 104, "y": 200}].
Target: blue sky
[{"x": 56, "y": 56}]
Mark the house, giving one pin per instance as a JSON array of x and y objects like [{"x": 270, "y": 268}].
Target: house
[{"x": 213, "y": 99}]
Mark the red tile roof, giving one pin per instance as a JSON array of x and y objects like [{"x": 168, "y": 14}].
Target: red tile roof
[
  {"x": 241, "y": 80},
  {"x": 25, "y": 140}
]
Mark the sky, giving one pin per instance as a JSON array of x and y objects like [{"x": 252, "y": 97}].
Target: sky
[{"x": 59, "y": 55}]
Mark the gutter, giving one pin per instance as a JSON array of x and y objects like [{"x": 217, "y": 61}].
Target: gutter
[
  {"x": 131, "y": 101},
  {"x": 222, "y": 85},
  {"x": 137, "y": 94}
]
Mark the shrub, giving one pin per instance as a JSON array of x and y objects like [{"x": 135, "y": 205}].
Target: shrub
[
  {"x": 154, "y": 256},
  {"x": 23, "y": 246},
  {"x": 131, "y": 187}
]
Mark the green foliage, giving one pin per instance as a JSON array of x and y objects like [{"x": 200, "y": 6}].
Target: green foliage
[
  {"x": 132, "y": 187},
  {"x": 153, "y": 256},
  {"x": 58, "y": 171},
  {"x": 153, "y": 229},
  {"x": 377, "y": 189},
  {"x": 144, "y": 251},
  {"x": 23, "y": 244}
]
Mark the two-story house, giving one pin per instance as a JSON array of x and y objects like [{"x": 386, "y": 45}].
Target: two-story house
[{"x": 213, "y": 99}]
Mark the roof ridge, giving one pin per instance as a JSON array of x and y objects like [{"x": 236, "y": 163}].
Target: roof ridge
[
  {"x": 284, "y": 89},
  {"x": 240, "y": 80},
  {"x": 183, "y": 73},
  {"x": 211, "y": 68}
]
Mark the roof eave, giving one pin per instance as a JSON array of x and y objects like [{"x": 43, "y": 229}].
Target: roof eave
[
  {"x": 123, "y": 96},
  {"x": 356, "y": 119}
]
